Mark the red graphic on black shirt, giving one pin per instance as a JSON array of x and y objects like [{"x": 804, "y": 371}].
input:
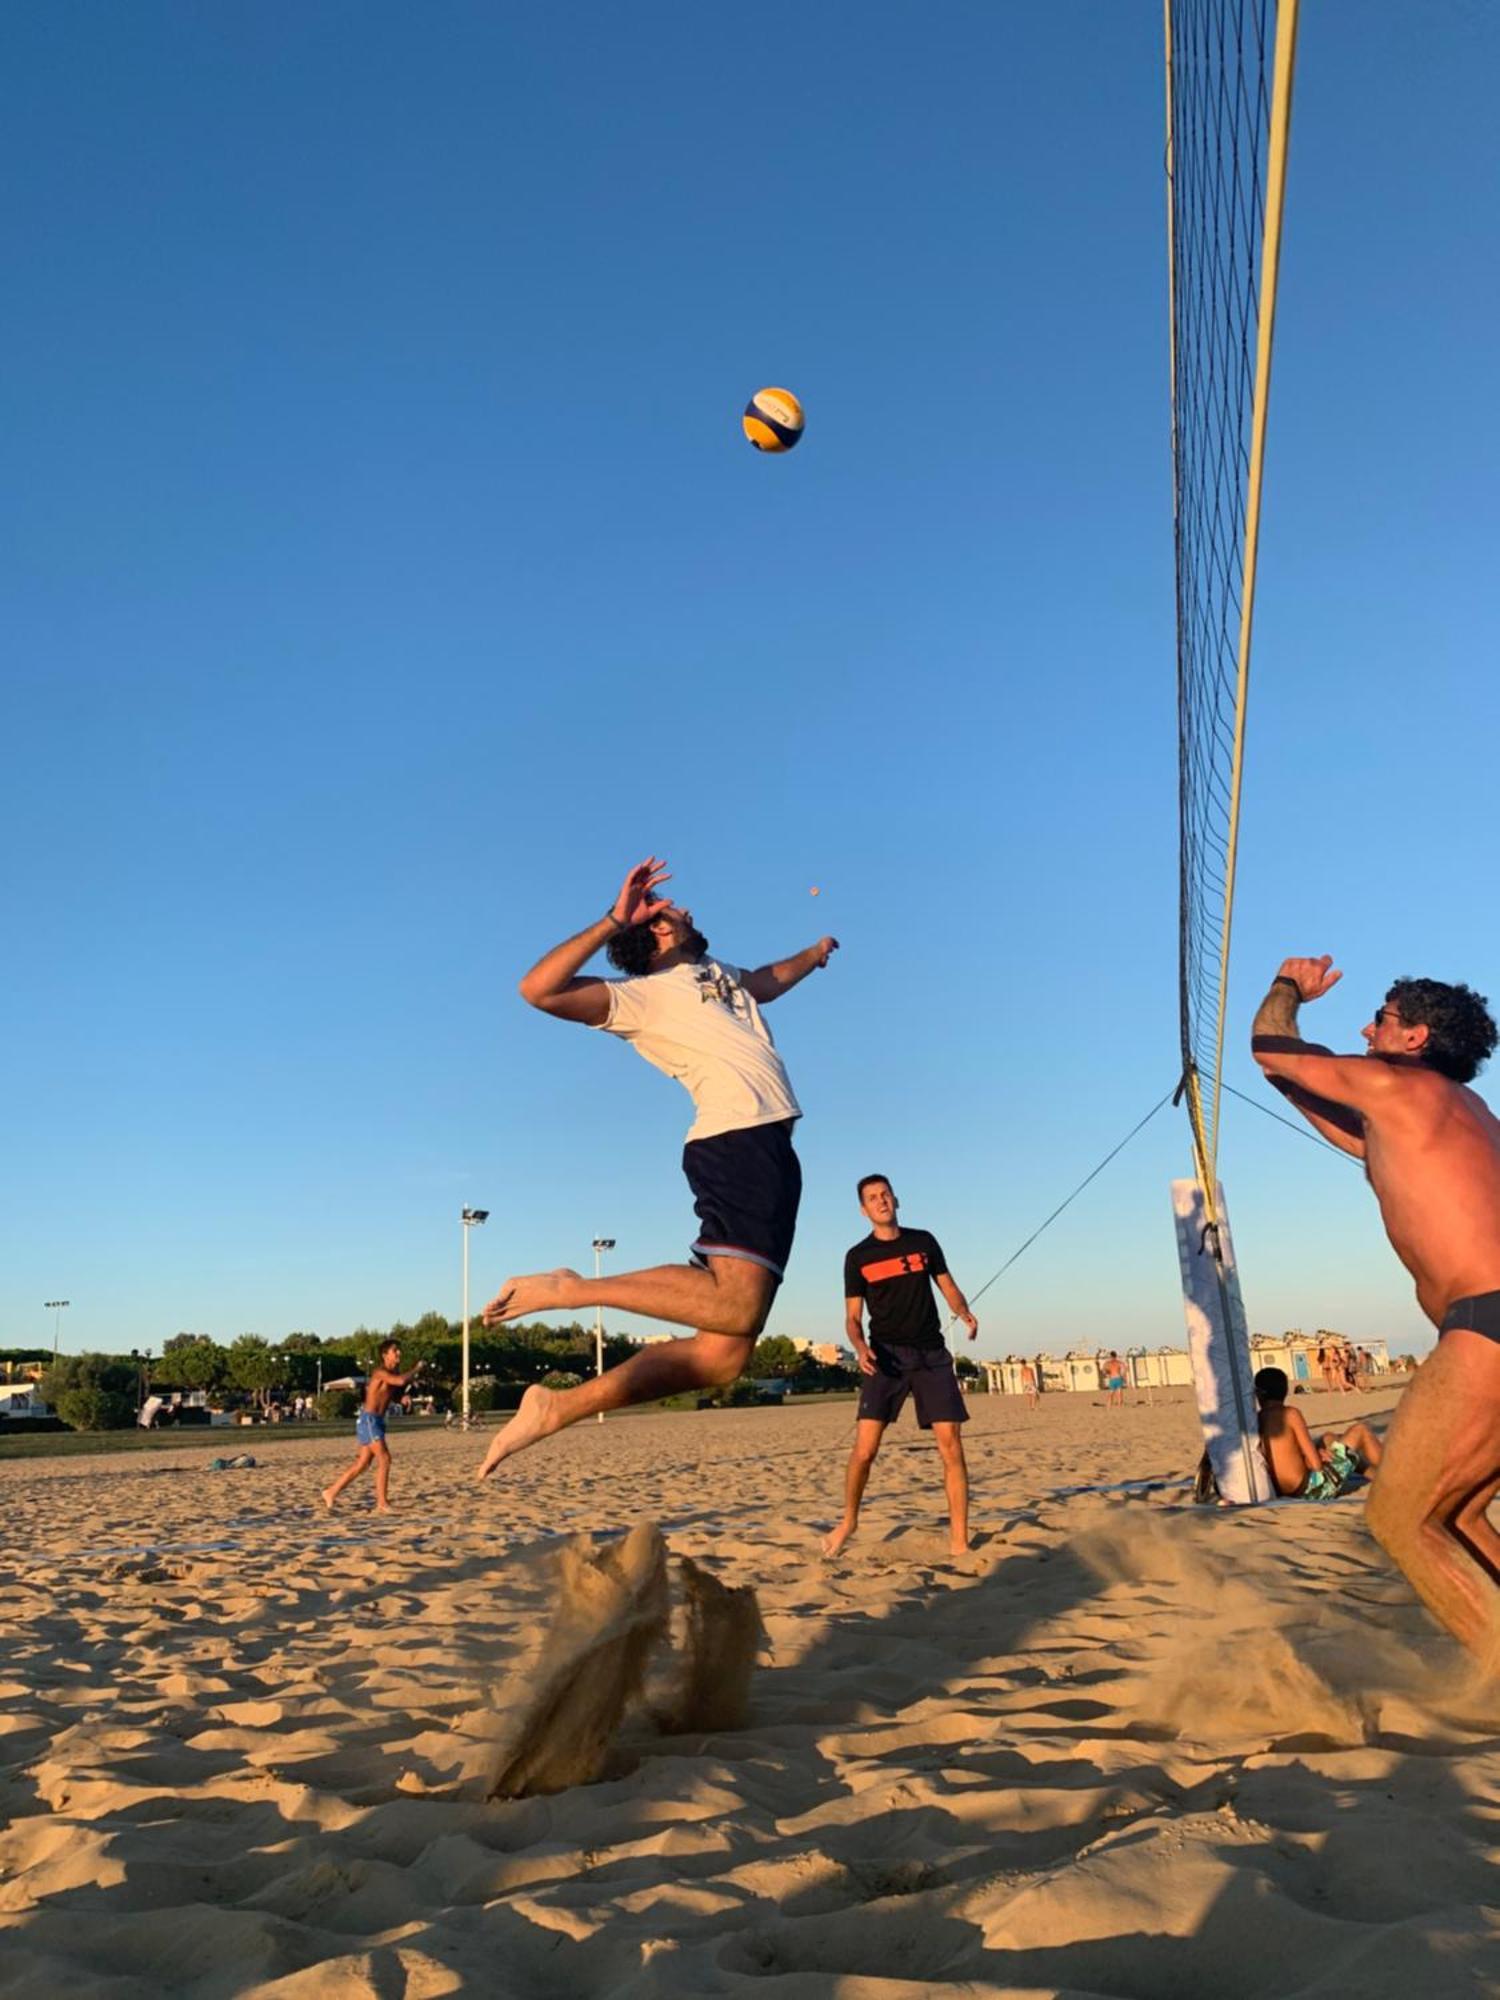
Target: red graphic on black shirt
[{"x": 912, "y": 1265}]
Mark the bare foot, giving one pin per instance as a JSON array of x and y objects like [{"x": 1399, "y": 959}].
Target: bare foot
[
  {"x": 958, "y": 1545},
  {"x": 328, "y": 1498},
  {"x": 381, "y": 1510},
  {"x": 534, "y": 1420},
  {"x": 519, "y": 1296},
  {"x": 833, "y": 1543}
]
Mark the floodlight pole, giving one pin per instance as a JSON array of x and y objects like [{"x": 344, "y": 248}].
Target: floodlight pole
[
  {"x": 601, "y": 1244},
  {"x": 55, "y": 1307},
  {"x": 471, "y": 1218}
]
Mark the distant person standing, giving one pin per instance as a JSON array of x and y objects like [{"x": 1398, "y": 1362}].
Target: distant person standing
[
  {"x": 1030, "y": 1388},
  {"x": 891, "y": 1273},
  {"x": 385, "y": 1383},
  {"x": 1114, "y": 1381}
]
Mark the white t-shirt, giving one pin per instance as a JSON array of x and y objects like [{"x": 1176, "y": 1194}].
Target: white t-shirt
[{"x": 698, "y": 1024}]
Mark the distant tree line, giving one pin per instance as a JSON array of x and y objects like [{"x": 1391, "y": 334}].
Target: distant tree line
[{"x": 103, "y": 1391}]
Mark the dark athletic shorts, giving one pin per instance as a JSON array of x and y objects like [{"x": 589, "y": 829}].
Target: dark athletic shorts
[
  {"x": 926, "y": 1374},
  {"x": 1477, "y": 1315},
  {"x": 746, "y": 1188}
]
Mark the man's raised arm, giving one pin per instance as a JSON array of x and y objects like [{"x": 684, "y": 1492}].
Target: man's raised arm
[
  {"x": 769, "y": 982},
  {"x": 1331, "y": 1091},
  {"x": 553, "y": 984}
]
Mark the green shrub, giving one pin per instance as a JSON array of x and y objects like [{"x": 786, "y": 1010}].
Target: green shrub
[
  {"x": 560, "y": 1380},
  {"x": 92, "y": 1392},
  {"x": 92, "y": 1408},
  {"x": 336, "y": 1406}
]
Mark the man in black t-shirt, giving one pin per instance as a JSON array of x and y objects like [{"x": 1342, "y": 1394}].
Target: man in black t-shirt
[{"x": 891, "y": 1274}]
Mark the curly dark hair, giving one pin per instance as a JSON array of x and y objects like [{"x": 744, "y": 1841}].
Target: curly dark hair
[
  {"x": 631, "y": 950},
  {"x": 1461, "y": 1034}
]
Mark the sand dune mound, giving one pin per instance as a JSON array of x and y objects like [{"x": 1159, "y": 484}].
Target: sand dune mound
[{"x": 611, "y": 1615}]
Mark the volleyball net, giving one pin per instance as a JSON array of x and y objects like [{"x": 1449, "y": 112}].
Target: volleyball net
[{"x": 1229, "y": 93}]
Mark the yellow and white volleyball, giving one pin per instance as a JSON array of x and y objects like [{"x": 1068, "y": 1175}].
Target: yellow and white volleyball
[
  {"x": 773, "y": 420},
  {"x": 815, "y": 892}
]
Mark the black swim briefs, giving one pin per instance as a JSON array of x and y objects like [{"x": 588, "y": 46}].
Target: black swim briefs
[{"x": 1481, "y": 1314}]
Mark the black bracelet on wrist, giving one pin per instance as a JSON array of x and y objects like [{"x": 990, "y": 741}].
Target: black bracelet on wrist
[
  {"x": 618, "y": 922},
  {"x": 1285, "y": 979}
]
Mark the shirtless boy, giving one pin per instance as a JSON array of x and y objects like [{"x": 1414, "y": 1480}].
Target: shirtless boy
[
  {"x": 1431, "y": 1149},
  {"x": 385, "y": 1382},
  {"x": 1300, "y": 1468},
  {"x": 699, "y": 1020}
]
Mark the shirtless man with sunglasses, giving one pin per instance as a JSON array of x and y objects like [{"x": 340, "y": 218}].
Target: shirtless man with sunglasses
[{"x": 1431, "y": 1149}]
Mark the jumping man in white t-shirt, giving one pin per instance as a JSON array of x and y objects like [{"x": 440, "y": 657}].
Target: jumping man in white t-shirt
[{"x": 699, "y": 1020}]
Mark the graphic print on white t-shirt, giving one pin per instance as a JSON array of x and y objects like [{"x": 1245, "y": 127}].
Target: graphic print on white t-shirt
[{"x": 698, "y": 1024}]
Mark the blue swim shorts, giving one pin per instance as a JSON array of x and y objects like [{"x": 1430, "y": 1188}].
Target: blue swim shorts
[{"x": 369, "y": 1429}]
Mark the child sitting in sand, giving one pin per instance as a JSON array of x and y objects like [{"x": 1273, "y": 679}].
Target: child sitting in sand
[
  {"x": 369, "y": 1428},
  {"x": 1300, "y": 1468}
]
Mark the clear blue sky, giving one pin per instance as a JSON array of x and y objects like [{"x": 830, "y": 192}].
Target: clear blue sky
[{"x": 384, "y": 571}]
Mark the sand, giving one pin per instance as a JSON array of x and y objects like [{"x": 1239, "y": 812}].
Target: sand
[{"x": 1124, "y": 1748}]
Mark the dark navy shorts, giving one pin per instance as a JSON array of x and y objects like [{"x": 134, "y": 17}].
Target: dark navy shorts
[
  {"x": 747, "y": 1186},
  {"x": 926, "y": 1374}
]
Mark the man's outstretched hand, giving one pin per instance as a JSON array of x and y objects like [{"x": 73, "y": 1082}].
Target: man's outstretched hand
[
  {"x": 825, "y": 948},
  {"x": 637, "y": 902},
  {"x": 1312, "y": 977}
]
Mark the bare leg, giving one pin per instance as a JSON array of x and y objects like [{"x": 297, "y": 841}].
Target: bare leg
[
  {"x": 731, "y": 1296},
  {"x": 950, "y": 1442},
  {"x": 1359, "y": 1437},
  {"x": 382, "y": 1479},
  {"x": 347, "y": 1477},
  {"x": 706, "y": 1361},
  {"x": 1441, "y": 1455},
  {"x": 1472, "y": 1525},
  {"x": 868, "y": 1432}
]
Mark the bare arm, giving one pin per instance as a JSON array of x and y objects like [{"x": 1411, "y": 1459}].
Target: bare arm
[
  {"x": 1337, "y": 1123},
  {"x": 1332, "y": 1092},
  {"x": 854, "y": 1326},
  {"x": 769, "y": 982},
  {"x": 553, "y": 984},
  {"x": 958, "y": 1305},
  {"x": 396, "y": 1381},
  {"x": 1302, "y": 1437}
]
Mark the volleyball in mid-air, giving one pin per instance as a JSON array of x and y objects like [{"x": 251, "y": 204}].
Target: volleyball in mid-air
[{"x": 773, "y": 420}]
